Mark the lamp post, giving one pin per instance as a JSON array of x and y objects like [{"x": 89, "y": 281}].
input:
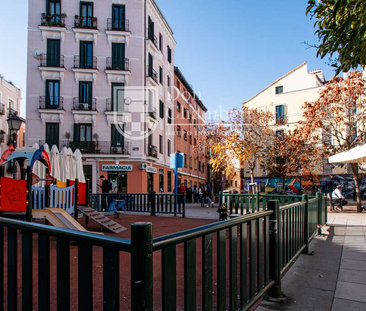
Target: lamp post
[{"x": 14, "y": 124}]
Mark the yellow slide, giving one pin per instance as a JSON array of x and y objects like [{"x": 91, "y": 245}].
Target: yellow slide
[{"x": 59, "y": 218}]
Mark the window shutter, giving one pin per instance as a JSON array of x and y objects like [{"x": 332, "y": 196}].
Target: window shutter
[{"x": 76, "y": 132}]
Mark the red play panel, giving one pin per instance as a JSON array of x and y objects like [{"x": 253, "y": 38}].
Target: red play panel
[
  {"x": 13, "y": 195},
  {"x": 81, "y": 192}
]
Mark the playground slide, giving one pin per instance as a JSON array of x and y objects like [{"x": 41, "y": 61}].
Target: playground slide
[{"x": 59, "y": 218}]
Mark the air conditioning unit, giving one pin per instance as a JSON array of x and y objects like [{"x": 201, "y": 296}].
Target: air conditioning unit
[
  {"x": 83, "y": 106},
  {"x": 117, "y": 150}
]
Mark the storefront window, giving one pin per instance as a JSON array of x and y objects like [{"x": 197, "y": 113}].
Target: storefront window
[{"x": 161, "y": 180}]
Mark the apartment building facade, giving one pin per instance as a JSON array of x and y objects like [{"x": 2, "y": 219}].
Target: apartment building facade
[
  {"x": 189, "y": 121},
  {"x": 285, "y": 98},
  {"x": 10, "y": 98},
  {"x": 98, "y": 79}
]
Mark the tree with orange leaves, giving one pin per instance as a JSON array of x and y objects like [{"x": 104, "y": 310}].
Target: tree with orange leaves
[{"x": 337, "y": 120}]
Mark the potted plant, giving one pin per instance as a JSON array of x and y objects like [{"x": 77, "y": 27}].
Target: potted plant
[
  {"x": 77, "y": 21},
  {"x": 63, "y": 14},
  {"x": 96, "y": 137}
]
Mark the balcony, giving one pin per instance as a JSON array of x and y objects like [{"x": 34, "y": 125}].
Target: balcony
[
  {"x": 54, "y": 103},
  {"x": 57, "y": 61},
  {"x": 90, "y": 22},
  {"x": 118, "y": 25},
  {"x": 86, "y": 62},
  {"x": 153, "y": 113},
  {"x": 152, "y": 151},
  {"x": 78, "y": 105},
  {"x": 121, "y": 64},
  {"x": 53, "y": 20},
  {"x": 151, "y": 73},
  {"x": 2, "y": 109},
  {"x": 97, "y": 147},
  {"x": 153, "y": 39},
  {"x": 281, "y": 120}
]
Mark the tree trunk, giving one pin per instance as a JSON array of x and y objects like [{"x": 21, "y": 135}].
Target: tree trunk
[
  {"x": 252, "y": 180},
  {"x": 354, "y": 168}
]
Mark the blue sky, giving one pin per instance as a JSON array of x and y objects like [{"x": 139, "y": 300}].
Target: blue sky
[{"x": 227, "y": 50}]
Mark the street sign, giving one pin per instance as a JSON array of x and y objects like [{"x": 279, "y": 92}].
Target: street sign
[{"x": 117, "y": 168}]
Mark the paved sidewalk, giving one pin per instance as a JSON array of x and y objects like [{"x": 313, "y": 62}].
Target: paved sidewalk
[{"x": 334, "y": 277}]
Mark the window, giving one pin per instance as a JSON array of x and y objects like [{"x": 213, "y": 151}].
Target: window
[
  {"x": 178, "y": 84},
  {"x": 185, "y": 160},
  {"x": 168, "y": 81},
  {"x": 203, "y": 167},
  {"x": 280, "y": 114},
  {"x": 53, "y": 11},
  {"x": 195, "y": 142},
  {"x": 86, "y": 54},
  {"x": 185, "y": 113},
  {"x": 117, "y": 138},
  {"x": 118, "y": 17},
  {"x": 52, "y": 94},
  {"x": 53, "y": 53},
  {"x": 86, "y": 14},
  {"x": 52, "y": 134},
  {"x": 190, "y": 139},
  {"x": 169, "y": 181},
  {"x": 150, "y": 65},
  {"x": 161, "y": 75},
  {"x": 169, "y": 54},
  {"x": 279, "y": 89},
  {"x": 161, "y": 180},
  {"x": 178, "y": 131},
  {"x": 190, "y": 162},
  {"x": 190, "y": 118},
  {"x": 178, "y": 106},
  {"x": 85, "y": 93},
  {"x": 185, "y": 135},
  {"x": 118, "y": 56},
  {"x": 169, "y": 148},
  {"x": 151, "y": 30},
  {"x": 161, "y": 109},
  {"x": 160, "y": 42},
  {"x": 280, "y": 134},
  {"x": 169, "y": 116},
  {"x": 161, "y": 150},
  {"x": 195, "y": 164},
  {"x": 82, "y": 132},
  {"x": 195, "y": 122},
  {"x": 199, "y": 166}
]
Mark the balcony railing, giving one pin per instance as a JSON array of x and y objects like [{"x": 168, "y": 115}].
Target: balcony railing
[
  {"x": 12, "y": 112},
  {"x": 86, "y": 62},
  {"x": 80, "y": 105},
  {"x": 53, "y": 20},
  {"x": 152, "y": 151},
  {"x": 153, "y": 39},
  {"x": 47, "y": 60},
  {"x": 153, "y": 112},
  {"x": 118, "y": 25},
  {"x": 90, "y": 22},
  {"x": 46, "y": 102},
  {"x": 281, "y": 120},
  {"x": 97, "y": 147},
  {"x": 2, "y": 109},
  {"x": 114, "y": 63},
  {"x": 152, "y": 74}
]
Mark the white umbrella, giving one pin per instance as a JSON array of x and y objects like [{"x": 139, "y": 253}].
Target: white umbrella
[
  {"x": 65, "y": 165},
  {"x": 55, "y": 163},
  {"x": 79, "y": 166},
  {"x": 72, "y": 160},
  {"x": 354, "y": 155}
]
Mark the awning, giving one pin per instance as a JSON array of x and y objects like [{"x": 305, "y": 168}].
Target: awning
[{"x": 354, "y": 155}]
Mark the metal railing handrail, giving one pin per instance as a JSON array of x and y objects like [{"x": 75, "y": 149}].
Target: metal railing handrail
[
  {"x": 291, "y": 205},
  {"x": 78, "y": 236},
  {"x": 183, "y": 236}
]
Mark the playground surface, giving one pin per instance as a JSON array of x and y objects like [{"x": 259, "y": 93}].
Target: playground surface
[{"x": 334, "y": 277}]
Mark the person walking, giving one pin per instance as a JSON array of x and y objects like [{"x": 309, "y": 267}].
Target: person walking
[
  {"x": 338, "y": 198},
  {"x": 182, "y": 190},
  {"x": 106, "y": 186}
]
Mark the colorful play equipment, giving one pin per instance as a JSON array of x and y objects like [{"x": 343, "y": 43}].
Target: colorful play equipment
[{"x": 55, "y": 202}]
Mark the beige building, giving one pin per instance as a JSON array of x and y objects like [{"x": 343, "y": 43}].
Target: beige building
[{"x": 285, "y": 98}]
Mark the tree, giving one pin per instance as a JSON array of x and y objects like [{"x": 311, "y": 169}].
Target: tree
[
  {"x": 337, "y": 120},
  {"x": 341, "y": 29}
]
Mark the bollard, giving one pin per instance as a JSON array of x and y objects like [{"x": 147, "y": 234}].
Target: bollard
[
  {"x": 305, "y": 197},
  {"x": 153, "y": 203},
  {"x": 320, "y": 212},
  {"x": 141, "y": 267},
  {"x": 274, "y": 247}
]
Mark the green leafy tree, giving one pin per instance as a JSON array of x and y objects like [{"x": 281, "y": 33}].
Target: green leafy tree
[{"x": 341, "y": 29}]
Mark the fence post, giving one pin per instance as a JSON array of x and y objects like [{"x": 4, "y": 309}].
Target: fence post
[
  {"x": 141, "y": 267},
  {"x": 29, "y": 194},
  {"x": 257, "y": 201},
  {"x": 153, "y": 203},
  {"x": 320, "y": 211},
  {"x": 184, "y": 207},
  {"x": 305, "y": 197},
  {"x": 274, "y": 264},
  {"x": 76, "y": 200},
  {"x": 87, "y": 181},
  {"x": 220, "y": 198}
]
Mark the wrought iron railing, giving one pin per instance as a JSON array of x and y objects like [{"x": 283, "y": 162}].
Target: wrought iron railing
[
  {"x": 152, "y": 74},
  {"x": 97, "y": 147},
  {"x": 114, "y": 63},
  {"x": 53, "y": 20},
  {"x": 153, "y": 38},
  {"x": 152, "y": 151},
  {"x": 85, "y": 62},
  {"x": 117, "y": 24},
  {"x": 80, "y": 105},
  {"x": 152, "y": 111},
  {"x": 47, "y": 102},
  {"x": 48, "y": 60},
  {"x": 90, "y": 22}
]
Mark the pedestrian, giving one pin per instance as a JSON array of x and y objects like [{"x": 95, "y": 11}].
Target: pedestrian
[
  {"x": 199, "y": 196},
  {"x": 182, "y": 190},
  {"x": 195, "y": 194},
  {"x": 106, "y": 186},
  {"x": 338, "y": 198}
]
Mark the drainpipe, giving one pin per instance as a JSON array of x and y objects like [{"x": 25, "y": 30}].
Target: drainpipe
[{"x": 145, "y": 79}]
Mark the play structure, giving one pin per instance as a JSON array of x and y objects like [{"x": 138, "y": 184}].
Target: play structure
[{"x": 54, "y": 203}]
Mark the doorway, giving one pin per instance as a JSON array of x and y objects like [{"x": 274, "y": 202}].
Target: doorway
[
  {"x": 150, "y": 182},
  {"x": 119, "y": 181}
]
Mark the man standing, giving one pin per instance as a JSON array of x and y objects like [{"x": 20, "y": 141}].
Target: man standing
[
  {"x": 106, "y": 186},
  {"x": 339, "y": 198}
]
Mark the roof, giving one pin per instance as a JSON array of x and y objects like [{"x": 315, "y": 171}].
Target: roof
[
  {"x": 181, "y": 77},
  {"x": 275, "y": 82}
]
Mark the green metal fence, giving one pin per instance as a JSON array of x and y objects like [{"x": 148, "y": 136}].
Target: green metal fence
[{"x": 226, "y": 265}]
